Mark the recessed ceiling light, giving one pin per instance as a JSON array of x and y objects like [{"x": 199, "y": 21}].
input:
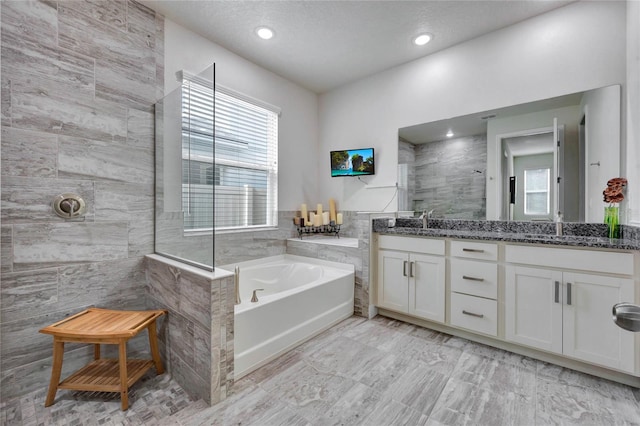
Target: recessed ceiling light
[
  {"x": 449, "y": 134},
  {"x": 264, "y": 33},
  {"x": 422, "y": 39}
]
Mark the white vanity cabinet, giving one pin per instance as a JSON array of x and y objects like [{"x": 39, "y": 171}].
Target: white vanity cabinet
[
  {"x": 411, "y": 276},
  {"x": 474, "y": 286},
  {"x": 550, "y": 306}
]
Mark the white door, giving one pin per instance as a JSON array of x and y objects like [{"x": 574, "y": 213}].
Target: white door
[
  {"x": 535, "y": 187},
  {"x": 589, "y": 331},
  {"x": 393, "y": 292},
  {"x": 601, "y": 109},
  {"x": 533, "y": 307},
  {"x": 426, "y": 286}
]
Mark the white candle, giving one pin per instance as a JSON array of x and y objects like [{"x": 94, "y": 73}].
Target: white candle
[
  {"x": 312, "y": 217},
  {"x": 319, "y": 213},
  {"x": 317, "y": 220},
  {"x": 339, "y": 219},
  {"x": 332, "y": 209},
  {"x": 325, "y": 218},
  {"x": 303, "y": 211}
]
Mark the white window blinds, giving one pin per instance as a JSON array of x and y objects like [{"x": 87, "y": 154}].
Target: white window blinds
[{"x": 232, "y": 184}]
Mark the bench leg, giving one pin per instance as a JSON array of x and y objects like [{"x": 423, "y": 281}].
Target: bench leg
[
  {"x": 153, "y": 345},
  {"x": 56, "y": 368},
  {"x": 124, "y": 391},
  {"x": 96, "y": 351}
]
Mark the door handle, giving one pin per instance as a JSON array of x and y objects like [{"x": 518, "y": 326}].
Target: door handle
[
  {"x": 466, "y": 277},
  {"x": 404, "y": 268},
  {"x": 411, "y": 269},
  {"x": 568, "y": 293},
  {"x": 557, "y": 292}
]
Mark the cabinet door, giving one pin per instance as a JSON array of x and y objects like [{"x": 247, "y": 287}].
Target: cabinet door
[
  {"x": 426, "y": 286},
  {"x": 589, "y": 331},
  {"x": 533, "y": 307},
  {"x": 393, "y": 291}
]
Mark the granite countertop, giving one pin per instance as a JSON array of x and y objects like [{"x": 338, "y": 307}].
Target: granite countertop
[{"x": 519, "y": 232}]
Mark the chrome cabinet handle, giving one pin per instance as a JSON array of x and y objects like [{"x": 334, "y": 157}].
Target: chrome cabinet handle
[
  {"x": 404, "y": 268},
  {"x": 557, "y": 292},
  {"x": 465, "y": 277},
  {"x": 473, "y": 250},
  {"x": 411, "y": 269},
  {"x": 568, "y": 293},
  {"x": 473, "y": 314}
]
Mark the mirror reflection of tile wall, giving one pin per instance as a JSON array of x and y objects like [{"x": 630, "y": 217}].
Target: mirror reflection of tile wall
[{"x": 446, "y": 176}]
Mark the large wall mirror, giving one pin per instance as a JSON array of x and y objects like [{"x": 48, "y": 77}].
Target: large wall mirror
[{"x": 522, "y": 162}]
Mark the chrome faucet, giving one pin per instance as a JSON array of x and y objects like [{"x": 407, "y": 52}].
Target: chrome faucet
[
  {"x": 254, "y": 298},
  {"x": 425, "y": 218},
  {"x": 237, "y": 284}
]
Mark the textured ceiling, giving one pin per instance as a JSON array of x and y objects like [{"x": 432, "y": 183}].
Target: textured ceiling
[{"x": 324, "y": 44}]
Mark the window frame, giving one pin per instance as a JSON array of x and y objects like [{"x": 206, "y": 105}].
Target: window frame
[
  {"x": 270, "y": 166},
  {"x": 537, "y": 191}
]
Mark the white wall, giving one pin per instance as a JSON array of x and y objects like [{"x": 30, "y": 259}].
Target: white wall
[
  {"x": 298, "y": 124},
  {"x": 575, "y": 48},
  {"x": 632, "y": 152}
]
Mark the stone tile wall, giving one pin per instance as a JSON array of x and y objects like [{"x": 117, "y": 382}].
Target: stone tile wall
[
  {"x": 196, "y": 338},
  {"x": 450, "y": 177},
  {"x": 78, "y": 84},
  {"x": 406, "y": 163}
]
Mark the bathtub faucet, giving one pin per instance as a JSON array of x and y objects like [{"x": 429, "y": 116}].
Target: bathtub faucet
[
  {"x": 254, "y": 298},
  {"x": 237, "y": 283}
]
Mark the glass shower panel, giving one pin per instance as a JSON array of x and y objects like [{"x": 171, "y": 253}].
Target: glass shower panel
[{"x": 185, "y": 171}]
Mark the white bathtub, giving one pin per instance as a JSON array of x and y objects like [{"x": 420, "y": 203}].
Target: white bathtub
[{"x": 302, "y": 297}]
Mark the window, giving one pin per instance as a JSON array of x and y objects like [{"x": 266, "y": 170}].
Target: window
[
  {"x": 232, "y": 184},
  {"x": 536, "y": 191}
]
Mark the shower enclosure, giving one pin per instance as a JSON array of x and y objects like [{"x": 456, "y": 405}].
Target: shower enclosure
[{"x": 185, "y": 170}]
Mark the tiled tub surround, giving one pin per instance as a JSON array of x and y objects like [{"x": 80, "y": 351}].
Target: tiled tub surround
[
  {"x": 575, "y": 234},
  {"x": 244, "y": 246},
  {"x": 79, "y": 80},
  {"x": 196, "y": 337}
]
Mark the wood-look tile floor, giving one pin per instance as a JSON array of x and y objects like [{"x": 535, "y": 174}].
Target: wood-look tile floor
[{"x": 377, "y": 372}]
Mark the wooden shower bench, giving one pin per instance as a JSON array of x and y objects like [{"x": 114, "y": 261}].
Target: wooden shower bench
[{"x": 103, "y": 326}]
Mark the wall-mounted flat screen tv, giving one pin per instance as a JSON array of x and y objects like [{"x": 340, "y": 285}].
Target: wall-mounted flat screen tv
[{"x": 352, "y": 162}]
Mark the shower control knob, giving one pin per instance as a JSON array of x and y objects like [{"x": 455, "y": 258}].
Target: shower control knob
[{"x": 69, "y": 206}]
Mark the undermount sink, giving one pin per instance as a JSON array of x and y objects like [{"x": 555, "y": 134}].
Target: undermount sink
[{"x": 627, "y": 316}]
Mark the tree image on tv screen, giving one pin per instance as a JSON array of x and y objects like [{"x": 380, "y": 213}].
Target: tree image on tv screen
[
  {"x": 358, "y": 165},
  {"x": 339, "y": 160}
]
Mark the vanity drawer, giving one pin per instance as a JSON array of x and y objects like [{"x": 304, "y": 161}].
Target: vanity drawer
[
  {"x": 580, "y": 259},
  {"x": 413, "y": 244},
  {"x": 474, "y": 313},
  {"x": 475, "y": 278},
  {"x": 474, "y": 250}
]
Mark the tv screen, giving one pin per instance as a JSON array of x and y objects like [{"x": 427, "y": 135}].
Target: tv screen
[{"x": 352, "y": 162}]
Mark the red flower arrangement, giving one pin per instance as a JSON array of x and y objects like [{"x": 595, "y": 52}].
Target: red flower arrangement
[{"x": 613, "y": 191}]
